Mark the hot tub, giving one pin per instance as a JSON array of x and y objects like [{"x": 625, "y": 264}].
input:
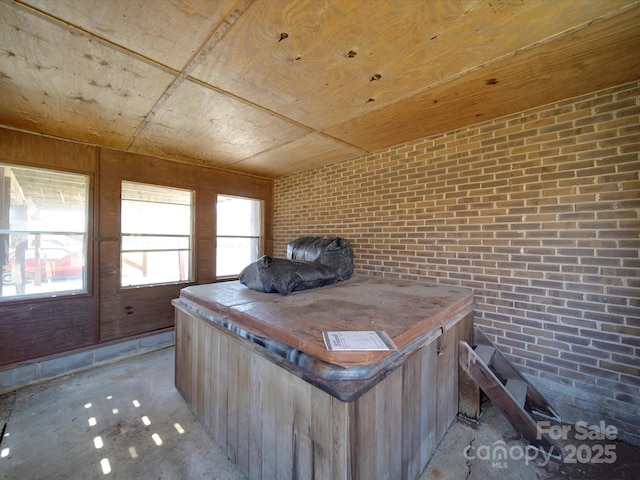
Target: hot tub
[{"x": 256, "y": 372}]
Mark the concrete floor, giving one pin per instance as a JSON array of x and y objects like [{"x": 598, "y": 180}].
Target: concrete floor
[{"x": 127, "y": 421}]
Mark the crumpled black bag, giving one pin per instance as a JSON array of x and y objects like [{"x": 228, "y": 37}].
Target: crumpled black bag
[
  {"x": 284, "y": 275},
  {"x": 335, "y": 252}
]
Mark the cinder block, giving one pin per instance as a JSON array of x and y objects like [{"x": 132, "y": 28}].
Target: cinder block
[
  {"x": 118, "y": 350},
  {"x": 156, "y": 342},
  {"x": 18, "y": 377},
  {"x": 66, "y": 364}
]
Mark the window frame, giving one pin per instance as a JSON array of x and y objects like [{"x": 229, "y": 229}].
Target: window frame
[
  {"x": 260, "y": 237},
  {"x": 191, "y": 250},
  {"x": 85, "y": 290}
]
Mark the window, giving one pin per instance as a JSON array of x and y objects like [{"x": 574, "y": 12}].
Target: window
[
  {"x": 239, "y": 234},
  {"x": 43, "y": 232},
  {"x": 156, "y": 226}
]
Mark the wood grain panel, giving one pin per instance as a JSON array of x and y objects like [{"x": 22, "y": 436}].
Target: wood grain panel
[
  {"x": 241, "y": 452},
  {"x": 448, "y": 373},
  {"x": 344, "y": 59},
  {"x": 251, "y": 78},
  {"x": 341, "y": 445},
  {"x": 252, "y": 85},
  {"x": 284, "y": 428},
  {"x": 46, "y": 327},
  {"x": 214, "y": 128},
  {"x": 233, "y": 398},
  {"x": 183, "y": 357},
  {"x": 208, "y": 372},
  {"x": 96, "y": 94},
  {"x": 69, "y": 324},
  {"x": 418, "y": 425},
  {"x": 221, "y": 386},
  {"x": 286, "y": 159},
  {"x": 131, "y": 311},
  {"x": 270, "y": 442},
  {"x": 566, "y": 67},
  {"x": 38, "y": 151},
  {"x": 151, "y": 28},
  {"x": 256, "y": 393}
]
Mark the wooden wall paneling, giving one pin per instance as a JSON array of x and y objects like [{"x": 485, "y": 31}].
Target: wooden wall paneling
[
  {"x": 268, "y": 222},
  {"x": 286, "y": 428},
  {"x": 286, "y": 402},
  {"x": 46, "y": 327},
  {"x": 410, "y": 434},
  {"x": 256, "y": 392},
  {"x": 354, "y": 450},
  {"x": 119, "y": 165},
  {"x": 448, "y": 374},
  {"x": 428, "y": 415},
  {"x": 195, "y": 384},
  {"x": 205, "y": 236},
  {"x": 388, "y": 426},
  {"x": 109, "y": 196},
  {"x": 207, "y": 371},
  {"x": 108, "y": 245},
  {"x": 93, "y": 274},
  {"x": 192, "y": 356},
  {"x": 418, "y": 425},
  {"x": 206, "y": 181},
  {"x": 200, "y": 359},
  {"x": 269, "y": 439},
  {"x": 302, "y": 451},
  {"x": 40, "y": 151},
  {"x": 363, "y": 455},
  {"x": 233, "y": 399},
  {"x": 341, "y": 446},
  {"x": 221, "y": 385},
  {"x": 131, "y": 311},
  {"x": 241, "y": 452},
  {"x": 445, "y": 361},
  {"x": 182, "y": 359},
  {"x": 468, "y": 392},
  {"x": 322, "y": 428}
]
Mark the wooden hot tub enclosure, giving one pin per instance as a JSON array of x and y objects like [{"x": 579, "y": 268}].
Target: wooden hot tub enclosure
[{"x": 254, "y": 369}]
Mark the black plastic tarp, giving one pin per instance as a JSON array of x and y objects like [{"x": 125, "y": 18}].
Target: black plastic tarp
[
  {"x": 312, "y": 262},
  {"x": 334, "y": 252},
  {"x": 283, "y": 275}
]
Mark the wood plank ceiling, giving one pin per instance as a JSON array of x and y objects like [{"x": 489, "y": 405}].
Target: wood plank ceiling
[{"x": 274, "y": 87}]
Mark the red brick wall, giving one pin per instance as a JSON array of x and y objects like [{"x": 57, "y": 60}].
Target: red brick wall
[{"x": 538, "y": 212}]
